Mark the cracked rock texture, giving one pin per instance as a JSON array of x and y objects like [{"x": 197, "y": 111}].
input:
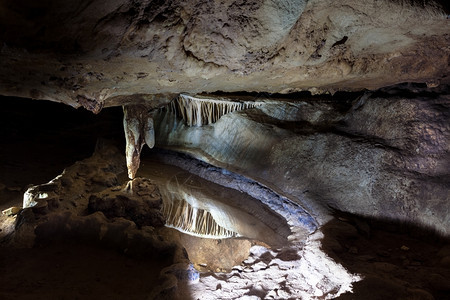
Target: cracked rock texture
[{"x": 96, "y": 54}]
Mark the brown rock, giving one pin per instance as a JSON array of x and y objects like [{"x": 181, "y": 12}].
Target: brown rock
[
  {"x": 444, "y": 251},
  {"x": 385, "y": 267},
  {"x": 439, "y": 282},
  {"x": 11, "y": 211},
  {"x": 445, "y": 262},
  {"x": 419, "y": 294},
  {"x": 207, "y": 46}
]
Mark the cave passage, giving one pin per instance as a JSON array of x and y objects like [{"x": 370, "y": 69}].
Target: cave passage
[
  {"x": 208, "y": 227},
  {"x": 227, "y": 222}
]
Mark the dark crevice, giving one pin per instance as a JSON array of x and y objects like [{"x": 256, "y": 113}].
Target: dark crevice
[
  {"x": 340, "y": 42},
  {"x": 190, "y": 54},
  {"x": 39, "y": 139},
  {"x": 441, "y": 4},
  {"x": 408, "y": 90},
  {"x": 337, "y": 97},
  {"x": 411, "y": 90},
  {"x": 409, "y": 228},
  {"x": 371, "y": 140},
  {"x": 306, "y": 128}
]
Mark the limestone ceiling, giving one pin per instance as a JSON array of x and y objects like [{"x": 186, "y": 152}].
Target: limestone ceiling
[{"x": 95, "y": 53}]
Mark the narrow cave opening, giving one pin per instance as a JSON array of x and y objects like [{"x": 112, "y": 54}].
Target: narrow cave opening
[{"x": 41, "y": 138}]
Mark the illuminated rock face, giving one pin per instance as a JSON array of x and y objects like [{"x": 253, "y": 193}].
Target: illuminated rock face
[
  {"x": 379, "y": 155},
  {"x": 97, "y": 54}
]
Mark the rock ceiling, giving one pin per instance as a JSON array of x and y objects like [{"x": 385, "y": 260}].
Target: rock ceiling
[{"x": 97, "y": 54}]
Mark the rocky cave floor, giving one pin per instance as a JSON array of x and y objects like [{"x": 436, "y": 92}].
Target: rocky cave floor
[{"x": 67, "y": 260}]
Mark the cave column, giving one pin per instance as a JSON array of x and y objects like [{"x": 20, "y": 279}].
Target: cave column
[{"x": 139, "y": 130}]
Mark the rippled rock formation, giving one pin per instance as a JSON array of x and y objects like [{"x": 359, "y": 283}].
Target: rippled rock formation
[{"x": 96, "y": 54}]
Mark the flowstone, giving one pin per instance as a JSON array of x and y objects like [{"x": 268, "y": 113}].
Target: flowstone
[{"x": 198, "y": 111}]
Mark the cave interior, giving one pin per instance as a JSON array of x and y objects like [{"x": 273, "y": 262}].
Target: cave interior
[{"x": 277, "y": 149}]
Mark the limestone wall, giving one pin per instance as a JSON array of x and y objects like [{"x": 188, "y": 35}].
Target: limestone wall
[{"x": 383, "y": 155}]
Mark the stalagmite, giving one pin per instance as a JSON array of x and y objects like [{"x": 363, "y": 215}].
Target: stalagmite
[
  {"x": 197, "y": 111},
  {"x": 139, "y": 130}
]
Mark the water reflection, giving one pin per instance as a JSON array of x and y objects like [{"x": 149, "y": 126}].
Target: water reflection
[
  {"x": 186, "y": 214},
  {"x": 201, "y": 208}
]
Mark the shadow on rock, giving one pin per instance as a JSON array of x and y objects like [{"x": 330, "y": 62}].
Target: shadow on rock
[{"x": 396, "y": 260}]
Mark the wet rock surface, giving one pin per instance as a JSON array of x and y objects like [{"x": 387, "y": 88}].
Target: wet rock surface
[
  {"x": 214, "y": 255},
  {"x": 381, "y": 154}
]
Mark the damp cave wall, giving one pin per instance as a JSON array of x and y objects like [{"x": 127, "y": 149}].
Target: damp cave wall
[{"x": 384, "y": 155}]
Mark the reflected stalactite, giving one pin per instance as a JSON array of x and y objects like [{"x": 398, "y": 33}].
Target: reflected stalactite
[
  {"x": 218, "y": 213},
  {"x": 192, "y": 220}
]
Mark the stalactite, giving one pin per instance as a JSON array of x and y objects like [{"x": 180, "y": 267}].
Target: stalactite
[
  {"x": 196, "y": 111},
  {"x": 139, "y": 130},
  {"x": 184, "y": 217}
]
